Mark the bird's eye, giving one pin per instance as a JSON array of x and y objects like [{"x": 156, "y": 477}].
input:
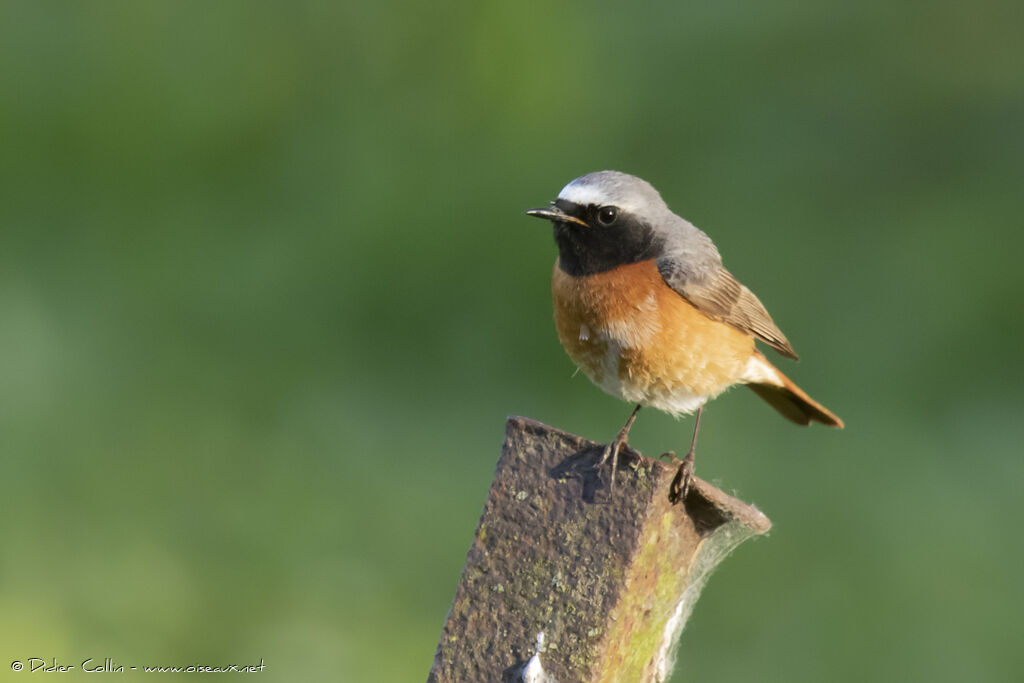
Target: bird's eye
[{"x": 606, "y": 215}]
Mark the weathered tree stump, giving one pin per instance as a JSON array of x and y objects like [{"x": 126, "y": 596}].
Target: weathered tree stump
[{"x": 571, "y": 580}]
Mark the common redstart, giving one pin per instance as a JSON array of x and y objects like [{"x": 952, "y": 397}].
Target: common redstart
[{"x": 646, "y": 310}]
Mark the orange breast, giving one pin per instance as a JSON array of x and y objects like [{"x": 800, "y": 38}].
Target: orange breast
[{"x": 639, "y": 340}]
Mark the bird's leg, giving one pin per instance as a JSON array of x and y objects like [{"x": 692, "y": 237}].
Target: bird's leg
[
  {"x": 612, "y": 449},
  {"x": 684, "y": 477}
]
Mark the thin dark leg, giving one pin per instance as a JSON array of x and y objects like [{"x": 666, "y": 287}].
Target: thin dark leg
[
  {"x": 684, "y": 477},
  {"x": 612, "y": 449}
]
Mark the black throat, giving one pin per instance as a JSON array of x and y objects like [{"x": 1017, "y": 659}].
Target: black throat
[{"x": 600, "y": 248}]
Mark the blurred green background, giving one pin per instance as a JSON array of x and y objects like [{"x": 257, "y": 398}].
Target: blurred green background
[{"x": 268, "y": 293}]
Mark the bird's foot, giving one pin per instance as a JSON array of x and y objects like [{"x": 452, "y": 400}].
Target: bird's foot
[
  {"x": 670, "y": 457},
  {"x": 611, "y": 451},
  {"x": 683, "y": 480}
]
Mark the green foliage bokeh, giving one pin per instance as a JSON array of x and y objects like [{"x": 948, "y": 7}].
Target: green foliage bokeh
[{"x": 268, "y": 293}]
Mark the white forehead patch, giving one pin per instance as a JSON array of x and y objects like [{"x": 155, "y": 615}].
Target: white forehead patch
[
  {"x": 627, "y": 193},
  {"x": 584, "y": 194}
]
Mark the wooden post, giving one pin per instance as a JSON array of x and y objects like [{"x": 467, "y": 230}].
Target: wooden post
[{"x": 569, "y": 580}]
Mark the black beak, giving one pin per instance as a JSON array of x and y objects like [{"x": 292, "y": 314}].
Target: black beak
[{"x": 555, "y": 215}]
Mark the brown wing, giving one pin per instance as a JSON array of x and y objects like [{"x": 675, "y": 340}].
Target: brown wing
[{"x": 720, "y": 296}]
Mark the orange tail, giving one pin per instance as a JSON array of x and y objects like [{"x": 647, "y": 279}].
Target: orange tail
[{"x": 790, "y": 400}]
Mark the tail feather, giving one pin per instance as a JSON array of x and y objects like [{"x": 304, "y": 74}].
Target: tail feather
[{"x": 790, "y": 400}]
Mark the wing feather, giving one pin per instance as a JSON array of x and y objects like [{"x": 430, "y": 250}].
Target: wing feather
[{"x": 720, "y": 296}]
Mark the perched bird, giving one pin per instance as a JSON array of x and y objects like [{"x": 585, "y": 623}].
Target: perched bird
[{"x": 646, "y": 310}]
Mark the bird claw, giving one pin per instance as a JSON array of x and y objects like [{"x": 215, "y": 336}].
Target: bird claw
[
  {"x": 683, "y": 481},
  {"x": 611, "y": 450},
  {"x": 670, "y": 457}
]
